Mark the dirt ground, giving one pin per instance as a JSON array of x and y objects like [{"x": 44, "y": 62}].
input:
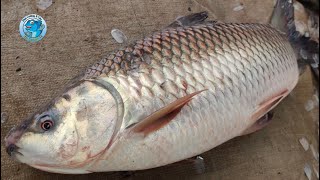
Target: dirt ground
[{"x": 79, "y": 34}]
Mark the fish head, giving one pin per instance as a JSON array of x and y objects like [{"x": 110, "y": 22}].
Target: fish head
[{"x": 68, "y": 134}]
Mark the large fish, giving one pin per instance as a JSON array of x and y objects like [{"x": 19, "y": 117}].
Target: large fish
[{"x": 170, "y": 96}]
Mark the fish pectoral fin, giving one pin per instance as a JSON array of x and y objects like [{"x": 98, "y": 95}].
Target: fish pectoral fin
[
  {"x": 163, "y": 116},
  {"x": 189, "y": 20},
  {"x": 269, "y": 104}
]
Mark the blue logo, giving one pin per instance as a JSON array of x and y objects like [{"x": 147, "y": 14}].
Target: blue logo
[{"x": 33, "y": 28}]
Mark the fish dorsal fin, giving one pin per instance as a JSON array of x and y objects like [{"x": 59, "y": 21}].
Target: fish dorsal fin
[
  {"x": 163, "y": 116},
  {"x": 189, "y": 20},
  {"x": 268, "y": 104}
]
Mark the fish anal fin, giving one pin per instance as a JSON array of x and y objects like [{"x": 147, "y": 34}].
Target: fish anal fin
[
  {"x": 269, "y": 104},
  {"x": 163, "y": 116},
  {"x": 259, "y": 124}
]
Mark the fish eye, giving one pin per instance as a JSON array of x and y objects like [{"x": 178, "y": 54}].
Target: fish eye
[
  {"x": 46, "y": 125},
  {"x": 31, "y": 22}
]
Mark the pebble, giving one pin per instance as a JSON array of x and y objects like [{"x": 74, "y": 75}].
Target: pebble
[
  {"x": 304, "y": 143},
  {"x": 238, "y": 8},
  {"x": 316, "y": 171},
  {"x": 316, "y": 98},
  {"x": 44, "y": 4},
  {"x": 118, "y": 35},
  {"x": 199, "y": 157},
  {"x": 199, "y": 165},
  {"x": 4, "y": 117},
  {"x": 309, "y": 105},
  {"x": 314, "y": 153},
  {"x": 307, "y": 171}
]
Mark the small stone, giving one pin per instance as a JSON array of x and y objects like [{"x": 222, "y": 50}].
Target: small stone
[
  {"x": 44, "y": 4},
  {"x": 118, "y": 35},
  {"x": 4, "y": 117},
  {"x": 199, "y": 157},
  {"x": 309, "y": 105},
  {"x": 314, "y": 153},
  {"x": 316, "y": 171},
  {"x": 199, "y": 165},
  {"x": 304, "y": 143},
  {"x": 316, "y": 99},
  {"x": 307, "y": 171},
  {"x": 238, "y": 7}
]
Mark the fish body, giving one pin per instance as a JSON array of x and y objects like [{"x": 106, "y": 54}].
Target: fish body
[
  {"x": 239, "y": 65},
  {"x": 170, "y": 96}
]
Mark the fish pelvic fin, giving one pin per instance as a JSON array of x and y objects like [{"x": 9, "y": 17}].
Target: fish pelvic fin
[
  {"x": 262, "y": 116},
  {"x": 163, "y": 116},
  {"x": 269, "y": 104}
]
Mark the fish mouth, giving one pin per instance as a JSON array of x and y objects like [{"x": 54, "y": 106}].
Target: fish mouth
[
  {"x": 16, "y": 153},
  {"x": 28, "y": 27},
  {"x": 16, "y": 156},
  {"x": 12, "y": 138},
  {"x": 13, "y": 149}
]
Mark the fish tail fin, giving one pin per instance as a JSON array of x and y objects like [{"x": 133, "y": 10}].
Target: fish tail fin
[
  {"x": 307, "y": 50},
  {"x": 283, "y": 18}
]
